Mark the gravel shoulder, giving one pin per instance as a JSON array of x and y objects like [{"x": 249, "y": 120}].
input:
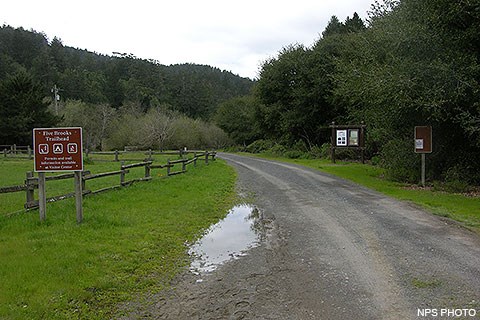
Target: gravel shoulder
[{"x": 332, "y": 250}]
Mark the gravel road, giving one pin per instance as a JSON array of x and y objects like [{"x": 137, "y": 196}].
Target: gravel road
[{"x": 333, "y": 250}]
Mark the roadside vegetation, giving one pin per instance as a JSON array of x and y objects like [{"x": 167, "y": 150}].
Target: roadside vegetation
[
  {"x": 462, "y": 205},
  {"x": 410, "y": 63},
  {"x": 132, "y": 241}
]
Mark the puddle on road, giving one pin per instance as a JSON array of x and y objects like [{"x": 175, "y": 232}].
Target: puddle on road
[{"x": 229, "y": 239}]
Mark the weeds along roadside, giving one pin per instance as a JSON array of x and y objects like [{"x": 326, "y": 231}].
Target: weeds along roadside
[{"x": 459, "y": 207}]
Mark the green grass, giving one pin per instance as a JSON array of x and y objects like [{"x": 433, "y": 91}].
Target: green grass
[
  {"x": 132, "y": 241},
  {"x": 454, "y": 206},
  {"x": 13, "y": 173}
]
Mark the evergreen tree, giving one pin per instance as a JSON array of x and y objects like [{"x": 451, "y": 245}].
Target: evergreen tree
[{"x": 22, "y": 108}]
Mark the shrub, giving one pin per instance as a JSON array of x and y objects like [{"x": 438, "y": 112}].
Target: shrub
[
  {"x": 457, "y": 179},
  {"x": 400, "y": 162},
  {"x": 260, "y": 146},
  {"x": 277, "y": 150},
  {"x": 294, "y": 154},
  {"x": 376, "y": 161}
]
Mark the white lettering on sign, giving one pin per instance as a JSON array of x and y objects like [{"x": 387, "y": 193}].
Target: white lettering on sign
[{"x": 58, "y": 149}]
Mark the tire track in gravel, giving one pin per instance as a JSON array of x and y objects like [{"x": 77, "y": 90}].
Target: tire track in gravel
[{"x": 333, "y": 250}]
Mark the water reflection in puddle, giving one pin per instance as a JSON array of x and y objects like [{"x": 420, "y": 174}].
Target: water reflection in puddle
[{"x": 228, "y": 239}]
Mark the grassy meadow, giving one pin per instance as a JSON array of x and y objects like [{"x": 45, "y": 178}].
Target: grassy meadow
[{"x": 132, "y": 240}]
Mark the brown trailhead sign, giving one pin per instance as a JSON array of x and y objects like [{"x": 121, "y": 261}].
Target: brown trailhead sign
[{"x": 58, "y": 149}]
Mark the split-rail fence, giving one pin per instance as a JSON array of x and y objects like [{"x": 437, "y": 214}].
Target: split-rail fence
[{"x": 31, "y": 182}]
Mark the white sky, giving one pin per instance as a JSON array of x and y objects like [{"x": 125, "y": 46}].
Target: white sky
[{"x": 232, "y": 35}]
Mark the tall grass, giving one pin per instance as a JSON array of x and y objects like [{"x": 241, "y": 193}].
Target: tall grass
[{"x": 131, "y": 241}]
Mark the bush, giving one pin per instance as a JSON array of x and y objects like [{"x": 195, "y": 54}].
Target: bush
[
  {"x": 260, "y": 146},
  {"x": 376, "y": 161},
  {"x": 295, "y": 154},
  {"x": 326, "y": 150},
  {"x": 277, "y": 150},
  {"x": 400, "y": 162},
  {"x": 457, "y": 179}
]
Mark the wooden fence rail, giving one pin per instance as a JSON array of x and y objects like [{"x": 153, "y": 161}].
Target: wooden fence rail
[
  {"x": 31, "y": 182},
  {"x": 149, "y": 153},
  {"x": 16, "y": 151}
]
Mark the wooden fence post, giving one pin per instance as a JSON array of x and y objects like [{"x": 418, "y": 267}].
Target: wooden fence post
[
  {"x": 30, "y": 192},
  {"x": 78, "y": 195},
  {"x": 195, "y": 159},
  {"x": 122, "y": 174},
  {"x": 184, "y": 166},
  {"x": 116, "y": 155},
  {"x": 83, "y": 180},
  {"x": 30, "y": 153},
  {"x": 147, "y": 171},
  {"x": 149, "y": 154},
  {"x": 168, "y": 167},
  {"x": 4, "y": 153},
  {"x": 206, "y": 157}
]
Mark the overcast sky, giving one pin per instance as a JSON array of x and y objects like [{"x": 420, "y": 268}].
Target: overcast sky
[{"x": 232, "y": 35}]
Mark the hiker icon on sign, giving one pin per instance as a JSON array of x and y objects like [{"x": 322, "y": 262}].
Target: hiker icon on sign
[
  {"x": 43, "y": 148},
  {"x": 72, "y": 148},
  {"x": 58, "y": 148}
]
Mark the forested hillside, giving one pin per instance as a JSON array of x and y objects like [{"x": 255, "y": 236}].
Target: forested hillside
[
  {"x": 100, "y": 91},
  {"x": 413, "y": 62},
  {"x": 118, "y": 79}
]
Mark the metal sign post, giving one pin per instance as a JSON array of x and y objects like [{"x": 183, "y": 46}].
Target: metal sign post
[
  {"x": 58, "y": 150},
  {"x": 423, "y": 145}
]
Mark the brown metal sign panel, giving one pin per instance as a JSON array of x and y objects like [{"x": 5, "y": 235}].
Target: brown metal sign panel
[
  {"x": 58, "y": 149},
  {"x": 423, "y": 139}
]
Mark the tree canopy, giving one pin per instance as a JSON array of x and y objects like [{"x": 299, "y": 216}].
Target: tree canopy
[
  {"x": 413, "y": 62},
  {"x": 195, "y": 90}
]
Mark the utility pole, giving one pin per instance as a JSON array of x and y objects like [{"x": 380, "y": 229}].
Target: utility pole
[{"x": 56, "y": 98}]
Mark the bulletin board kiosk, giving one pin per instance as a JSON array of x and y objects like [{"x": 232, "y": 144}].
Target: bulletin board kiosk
[{"x": 348, "y": 137}]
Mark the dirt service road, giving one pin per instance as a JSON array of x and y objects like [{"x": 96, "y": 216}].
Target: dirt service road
[{"x": 334, "y": 250}]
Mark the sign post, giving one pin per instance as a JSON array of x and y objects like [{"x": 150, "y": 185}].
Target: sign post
[
  {"x": 58, "y": 150},
  {"x": 423, "y": 145},
  {"x": 42, "y": 198}
]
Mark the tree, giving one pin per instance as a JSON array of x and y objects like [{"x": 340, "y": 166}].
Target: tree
[
  {"x": 96, "y": 121},
  {"x": 418, "y": 64},
  {"x": 237, "y": 117},
  {"x": 22, "y": 108},
  {"x": 157, "y": 127},
  {"x": 354, "y": 24},
  {"x": 334, "y": 26}
]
